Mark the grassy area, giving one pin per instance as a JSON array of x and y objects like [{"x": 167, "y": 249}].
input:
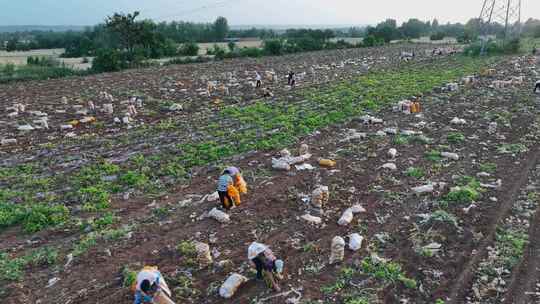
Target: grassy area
[{"x": 12, "y": 73}]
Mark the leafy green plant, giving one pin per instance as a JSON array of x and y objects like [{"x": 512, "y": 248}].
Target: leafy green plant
[
  {"x": 440, "y": 216},
  {"x": 388, "y": 272},
  {"x": 40, "y": 216},
  {"x": 455, "y": 137},
  {"x": 466, "y": 193},
  {"x": 415, "y": 172},
  {"x": 488, "y": 167},
  {"x": 512, "y": 149},
  {"x": 129, "y": 277},
  {"x": 433, "y": 155},
  {"x": 94, "y": 199}
]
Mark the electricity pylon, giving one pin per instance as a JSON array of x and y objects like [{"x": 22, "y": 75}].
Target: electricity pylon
[{"x": 503, "y": 12}]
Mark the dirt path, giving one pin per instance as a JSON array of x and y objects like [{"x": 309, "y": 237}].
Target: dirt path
[
  {"x": 463, "y": 282},
  {"x": 525, "y": 276}
]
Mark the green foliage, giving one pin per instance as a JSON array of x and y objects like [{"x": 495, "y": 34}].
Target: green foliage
[
  {"x": 189, "y": 49},
  {"x": 494, "y": 47},
  {"x": 433, "y": 155},
  {"x": 188, "y": 252},
  {"x": 129, "y": 277},
  {"x": 12, "y": 269},
  {"x": 465, "y": 194},
  {"x": 441, "y": 216},
  {"x": 40, "y": 216},
  {"x": 109, "y": 60},
  {"x": 415, "y": 172},
  {"x": 94, "y": 199},
  {"x": 273, "y": 47},
  {"x": 512, "y": 149},
  {"x": 455, "y": 137},
  {"x": 134, "y": 179},
  {"x": 388, "y": 272},
  {"x": 511, "y": 245},
  {"x": 488, "y": 167},
  {"x": 437, "y": 36}
]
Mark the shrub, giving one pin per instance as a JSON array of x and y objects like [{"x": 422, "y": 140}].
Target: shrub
[
  {"x": 94, "y": 199},
  {"x": 189, "y": 49},
  {"x": 40, "y": 216},
  {"x": 437, "y": 36},
  {"x": 232, "y": 46},
  {"x": 216, "y": 51},
  {"x": 273, "y": 47},
  {"x": 250, "y": 52},
  {"x": 109, "y": 60}
]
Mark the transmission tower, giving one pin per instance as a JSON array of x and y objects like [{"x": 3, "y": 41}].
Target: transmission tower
[{"x": 503, "y": 12}]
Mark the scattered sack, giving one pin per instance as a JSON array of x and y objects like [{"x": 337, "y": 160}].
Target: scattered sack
[
  {"x": 234, "y": 194},
  {"x": 280, "y": 164},
  {"x": 303, "y": 150},
  {"x": 240, "y": 184},
  {"x": 312, "y": 219},
  {"x": 231, "y": 285},
  {"x": 219, "y": 216},
  {"x": 346, "y": 218},
  {"x": 355, "y": 241},
  {"x": 319, "y": 196},
  {"x": 203, "y": 254},
  {"x": 327, "y": 163},
  {"x": 338, "y": 250},
  {"x": 423, "y": 189}
]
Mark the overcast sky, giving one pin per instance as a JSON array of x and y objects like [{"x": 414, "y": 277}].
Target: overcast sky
[{"x": 241, "y": 12}]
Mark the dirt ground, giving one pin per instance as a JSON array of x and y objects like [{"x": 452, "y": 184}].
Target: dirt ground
[{"x": 473, "y": 263}]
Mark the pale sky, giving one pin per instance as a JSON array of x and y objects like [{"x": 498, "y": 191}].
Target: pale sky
[{"x": 241, "y": 12}]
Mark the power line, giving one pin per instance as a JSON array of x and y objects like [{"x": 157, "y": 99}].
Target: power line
[{"x": 208, "y": 6}]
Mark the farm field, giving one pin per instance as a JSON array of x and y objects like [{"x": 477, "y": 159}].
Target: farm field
[{"x": 89, "y": 194}]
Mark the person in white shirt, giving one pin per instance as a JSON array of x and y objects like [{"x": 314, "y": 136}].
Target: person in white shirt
[{"x": 258, "y": 78}]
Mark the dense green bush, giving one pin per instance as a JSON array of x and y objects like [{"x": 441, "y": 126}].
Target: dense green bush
[
  {"x": 494, "y": 47},
  {"x": 189, "y": 49},
  {"x": 437, "y": 36},
  {"x": 273, "y": 47},
  {"x": 109, "y": 60}
]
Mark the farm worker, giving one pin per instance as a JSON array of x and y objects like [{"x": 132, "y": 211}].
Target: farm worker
[
  {"x": 537, "y": 87},
  {"x": 290, "y": 77},
  {"x": 224, "y": 181},
  {"x": 150, "y": 287},
  {"x": 258, "y": 78},
  {"x": 267, "y": 265}
]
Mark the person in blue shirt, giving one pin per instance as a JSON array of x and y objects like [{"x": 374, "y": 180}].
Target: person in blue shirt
[{"x": 223, "y": 184}]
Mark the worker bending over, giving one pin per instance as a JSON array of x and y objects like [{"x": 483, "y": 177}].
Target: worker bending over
[
  {"x": 150, "y": 287},
  {"x": 267, "y": 265},
  {"x": 230, "y": 185}
]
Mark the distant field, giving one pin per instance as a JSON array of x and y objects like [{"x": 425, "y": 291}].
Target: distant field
[
  {"x": 252, "y": 43},
  {"x": 19, "y": 58}
]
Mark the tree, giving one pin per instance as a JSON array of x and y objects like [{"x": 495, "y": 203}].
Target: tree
[
  {"x": 413, "y": 28},
  {"x": 386, "y": 31},
  {"x": 273, "y": 46},
  {"x": 435, "y": 25},
  {"x": 11, "y": 45},
  {"x": 221, "y": 28},
  {"x": 127, "y": 30}
]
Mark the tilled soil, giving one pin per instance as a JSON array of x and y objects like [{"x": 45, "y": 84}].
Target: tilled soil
[{"x": 392, "y": 226}]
